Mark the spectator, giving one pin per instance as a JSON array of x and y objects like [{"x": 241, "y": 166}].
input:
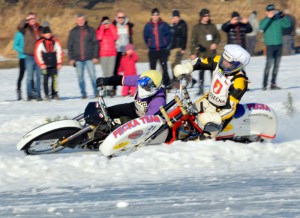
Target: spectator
[
  {"x": 31, "y": 30},
  {"x": 251, "y": 37},
  {"x": 158, "y": 38},
  {"x": 127, "y": 67},
  {"x": 107, "y": 36},
  {"x": 83, "y": 52},
  {"x": 236, "y": 29},
  {"x": 179, "y": 30},
  {"x": 272, "y": 26},
  {"x": 289, "y": 34},
  {"x": 125, "y": 33},
  {"x": 48, "y": 55},
  {"x": 19, "y": 47},
  {"x": 204, "y": 42}
]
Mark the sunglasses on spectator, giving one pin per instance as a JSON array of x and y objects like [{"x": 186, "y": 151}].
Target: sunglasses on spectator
[{"x": 121, "y": 17}]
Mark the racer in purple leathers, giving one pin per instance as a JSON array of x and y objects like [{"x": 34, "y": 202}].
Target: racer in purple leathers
[{"x": 149, "y": 96}]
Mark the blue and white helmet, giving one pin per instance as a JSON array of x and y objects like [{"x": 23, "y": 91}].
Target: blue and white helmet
[
  {"x": 237, "y": 56},
  {"x": 149, "y": 83}
]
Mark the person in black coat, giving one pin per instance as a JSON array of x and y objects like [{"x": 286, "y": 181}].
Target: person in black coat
[
  {"x": 179, "y": 31},
  {"x": 236, "y": 29}
]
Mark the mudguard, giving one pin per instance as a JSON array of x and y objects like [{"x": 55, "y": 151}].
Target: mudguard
[
  {"x": 45, "y": 129},
  {"x": 252, "y": 119},
  {"x": 133, "y": 133}
]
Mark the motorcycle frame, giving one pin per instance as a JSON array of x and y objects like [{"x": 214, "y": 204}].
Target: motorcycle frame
[
  {"x": 178, "y": 116},
  {"x": 88, "y": 128}
]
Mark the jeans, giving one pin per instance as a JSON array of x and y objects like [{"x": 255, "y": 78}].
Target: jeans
[
  {"x": 33, "y": 70},
  {"x": 80, "y": 75},
  {"x": 273, "y": 54}
]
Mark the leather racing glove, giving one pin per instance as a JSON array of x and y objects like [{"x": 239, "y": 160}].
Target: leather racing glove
[
  {"x": 184, "y": 69},
  {"x": 109, "y": 81}
]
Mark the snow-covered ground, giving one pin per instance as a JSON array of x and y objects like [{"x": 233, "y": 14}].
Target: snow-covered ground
[{"x": 193, "y": 179}]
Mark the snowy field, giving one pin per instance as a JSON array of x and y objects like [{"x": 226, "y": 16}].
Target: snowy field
[{"x": 193, "y": 179}]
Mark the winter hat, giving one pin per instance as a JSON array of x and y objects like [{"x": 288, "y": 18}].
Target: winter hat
[
  {"x": 270, "y": 8},
  {"x": 129, "y": 47},
  {"x": 155, "y": 11},
  {"x": 235, "y": 14},
  {"x": 46, "y": 29},
  {"x": 175, "y": 13},
  {"x": 203, "y": 12},
  {"x": 105, "y": 20}
]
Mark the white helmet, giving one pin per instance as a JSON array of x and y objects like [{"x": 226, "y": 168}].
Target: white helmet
[{"x": 237, "y": 58}]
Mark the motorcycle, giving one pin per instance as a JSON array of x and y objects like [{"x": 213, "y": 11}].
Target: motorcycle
[{"x": 252, "y": 122}]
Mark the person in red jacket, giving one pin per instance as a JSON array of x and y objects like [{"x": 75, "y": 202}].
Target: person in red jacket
[
  {"x": 127, "y": 68},
  {"x": 48, "y": 55},
  {"x": 107, "y": 36}
]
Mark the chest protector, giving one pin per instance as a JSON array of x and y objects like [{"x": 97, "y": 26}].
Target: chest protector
[
  {"x": 219, "y": 87},
  {"x": 140, "y": 107}
]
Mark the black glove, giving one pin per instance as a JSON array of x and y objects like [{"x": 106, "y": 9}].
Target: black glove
[
  {"x": 109, "y": 81},
  {"x": 101, "y": 81},
  {"x": 278, "y": 15}
]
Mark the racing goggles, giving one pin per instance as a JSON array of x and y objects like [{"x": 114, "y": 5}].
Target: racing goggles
[
  {"x": 146, "y": 83},
  {"x": 231, "y": 64}
]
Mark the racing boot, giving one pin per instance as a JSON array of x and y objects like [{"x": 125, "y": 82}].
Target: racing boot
[
  {"x": 210, "y": 131},
  {"x": 101, "y": 131}
]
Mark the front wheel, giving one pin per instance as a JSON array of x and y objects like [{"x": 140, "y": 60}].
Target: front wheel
[{"x": 42, "y": 139}]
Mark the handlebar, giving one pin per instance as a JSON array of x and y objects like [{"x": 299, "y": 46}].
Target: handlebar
[{"x": 103, "y": 107}]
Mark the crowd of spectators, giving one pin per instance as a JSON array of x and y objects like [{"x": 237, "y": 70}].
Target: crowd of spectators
[{"x": 112, "y": 43}]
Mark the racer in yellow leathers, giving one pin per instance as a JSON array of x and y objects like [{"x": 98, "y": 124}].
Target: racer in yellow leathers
[{"x": 229, "y": 83}]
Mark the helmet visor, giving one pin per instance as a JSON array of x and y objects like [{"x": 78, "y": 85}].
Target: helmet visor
[
  {"x": 146, "y": 83},
  {"x": 228, "y": 65}
]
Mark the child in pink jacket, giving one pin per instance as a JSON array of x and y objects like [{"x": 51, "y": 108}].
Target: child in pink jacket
[{"x": 127, "y": 68}]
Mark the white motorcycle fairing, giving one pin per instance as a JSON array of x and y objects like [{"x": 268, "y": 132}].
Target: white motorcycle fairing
[
  {"x": 251, "y": 122},
  {"x": 132, "y": 134},
  {"x": 251, "y": 119}
]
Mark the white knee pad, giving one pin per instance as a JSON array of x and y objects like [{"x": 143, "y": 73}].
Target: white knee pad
[{"x": 213, "y": 117}]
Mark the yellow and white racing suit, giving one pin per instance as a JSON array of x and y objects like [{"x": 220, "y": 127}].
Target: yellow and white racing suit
[{"x": 219, "y": 104}]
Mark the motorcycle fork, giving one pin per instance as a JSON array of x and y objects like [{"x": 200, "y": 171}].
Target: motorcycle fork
[
  {"x": 190, "y": 119},
  {"x": 177, "y": 117},
  {"x": 71, "y": 137}
]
